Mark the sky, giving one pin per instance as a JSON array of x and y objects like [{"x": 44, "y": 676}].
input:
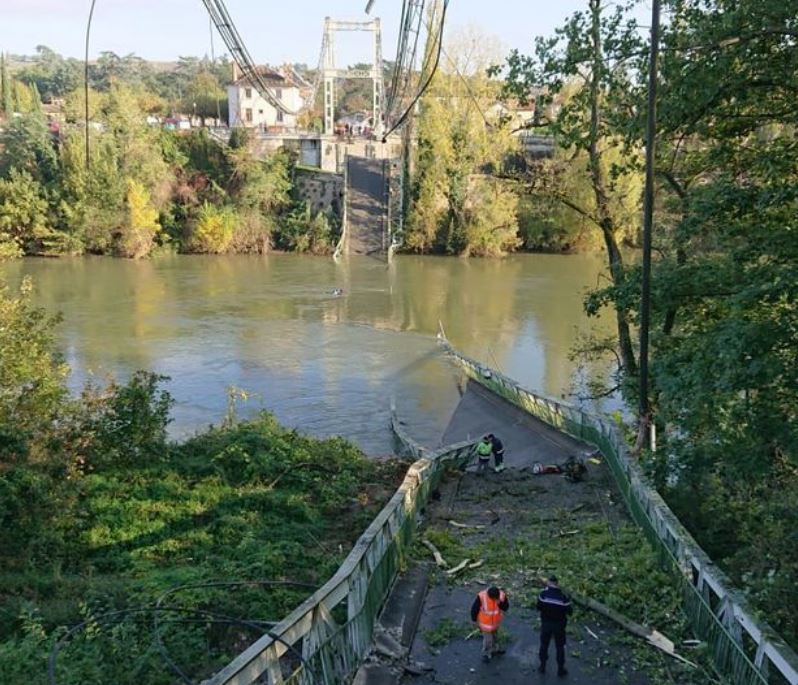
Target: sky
[{"x": 274, "y": 31}]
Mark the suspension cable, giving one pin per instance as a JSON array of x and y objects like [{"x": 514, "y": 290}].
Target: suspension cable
[{"x": 429, "y": 78}]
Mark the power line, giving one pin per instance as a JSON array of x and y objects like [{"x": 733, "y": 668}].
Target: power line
[
  {"x": 232, "y": 38},
  {"x": 429, "y": 78}
]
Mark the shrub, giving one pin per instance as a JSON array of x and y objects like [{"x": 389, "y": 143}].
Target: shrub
[{"x": 213, "y": 229}]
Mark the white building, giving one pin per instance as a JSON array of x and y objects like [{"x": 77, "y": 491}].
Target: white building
[{"x": 250, "y": 109}]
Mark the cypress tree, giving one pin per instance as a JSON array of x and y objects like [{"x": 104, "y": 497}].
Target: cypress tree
[
  {"x": 36, "y": 104},
  {"x": 5, "y": 87}
]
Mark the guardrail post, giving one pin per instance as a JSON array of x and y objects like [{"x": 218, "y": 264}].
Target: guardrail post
[
  {"x": 761, "y": 658},
  {"x": 274, "y": 673}
]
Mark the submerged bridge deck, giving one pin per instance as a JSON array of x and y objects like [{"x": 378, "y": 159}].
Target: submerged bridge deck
[
  {"x": 526, "y": 439},
  {"x": 365, "y": 206}
]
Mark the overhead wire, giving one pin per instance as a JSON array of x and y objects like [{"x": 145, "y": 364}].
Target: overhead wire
[
  {"x": 238, "y": 49},
  {"x": 397, "y": 67},
  {"x": 424, "y": 67},
  {"x": 431, "y": 75},
  {"x": 405, "y": 73},
  {"x": 410, "y": 22},
  {"x": 199, "y": 615},
  {"x": 412, "y": 59}
]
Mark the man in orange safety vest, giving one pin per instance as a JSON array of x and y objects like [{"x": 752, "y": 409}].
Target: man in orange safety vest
[{"x": 487, "y": 612}]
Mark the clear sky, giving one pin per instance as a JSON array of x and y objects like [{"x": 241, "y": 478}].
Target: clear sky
[{"x": 275, "y": 31}]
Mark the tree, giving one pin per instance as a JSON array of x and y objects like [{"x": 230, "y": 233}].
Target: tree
[
  {"x": 52, "y": 75},
  {"x": 213, "y": 230},
  {"x": 204, "y": 96},
  {"x": 458, "y": 205},
  {"x": 93, "y": 200},
  {"x": 32, "y": 374},
  {"x": 724, "y": 294},
  {"x": 139, "y": 153},
  {"x": 6, "y": 90},
  {"x": 23, "y": 215},
  {"x": 141, "y": 225},
  {"x": 28, "y": 146},
  {"x": 587, "y": 72},
  {"x": 112, "y": 69}
]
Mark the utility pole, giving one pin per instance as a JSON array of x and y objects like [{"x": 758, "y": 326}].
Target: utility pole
[
  {"x": 86, "y": 80},
  {"x": 644, "y": 437}
]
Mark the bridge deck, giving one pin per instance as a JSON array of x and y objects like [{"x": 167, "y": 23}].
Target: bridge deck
[
  {"x": 526, "y": 439},
  {"x": 509, "y": 505},
  {"x": 365, "y": 208}
]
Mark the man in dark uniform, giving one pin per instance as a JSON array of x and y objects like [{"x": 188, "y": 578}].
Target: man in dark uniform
[
  {"x": 498, "y": 453},
  {"x": 554, "y": 607}
]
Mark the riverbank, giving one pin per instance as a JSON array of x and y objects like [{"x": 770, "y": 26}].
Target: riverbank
[{"x": 231, "y": 529}]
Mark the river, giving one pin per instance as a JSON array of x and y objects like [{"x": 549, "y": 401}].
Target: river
[{"x": 323, "y": 363}]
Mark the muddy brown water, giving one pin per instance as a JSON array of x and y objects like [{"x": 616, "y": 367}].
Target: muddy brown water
[{"x": 323, "y": 362}]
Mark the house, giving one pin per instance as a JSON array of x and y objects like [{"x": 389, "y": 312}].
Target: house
[{"x": 249, "y": 108}]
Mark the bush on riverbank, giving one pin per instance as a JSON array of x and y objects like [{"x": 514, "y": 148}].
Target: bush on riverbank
[
  {"x": 145, "y": 188},
  {"x": 100, "y": 513}
]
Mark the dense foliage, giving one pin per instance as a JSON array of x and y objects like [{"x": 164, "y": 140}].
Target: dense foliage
[
  {"x": 725, "y": 294},
  {"x": 194, "y": 85},
  {"x": 100, "y": 513},
  {"x": 459, "y": 203},
  {"x": 145, "y": 188}
]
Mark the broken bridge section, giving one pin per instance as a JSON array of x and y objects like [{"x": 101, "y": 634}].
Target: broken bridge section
[
  {"x": 366, "y": 215},
  {"x": 526, "y": 439},
  {"x": 512, "y": 528}
]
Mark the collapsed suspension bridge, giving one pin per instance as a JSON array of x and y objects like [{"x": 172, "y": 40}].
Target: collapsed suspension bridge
[{"x": 374, "y": 182}]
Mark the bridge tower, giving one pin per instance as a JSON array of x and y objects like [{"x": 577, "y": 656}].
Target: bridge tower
[{"x": 330, "y": 72}]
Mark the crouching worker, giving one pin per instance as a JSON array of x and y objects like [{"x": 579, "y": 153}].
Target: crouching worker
[{"x": 487, "y": 612}]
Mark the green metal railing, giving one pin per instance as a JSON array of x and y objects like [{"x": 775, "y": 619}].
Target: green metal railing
[
  {"x": 701, "y": 583},
  {"x": 331, "y": 651}
]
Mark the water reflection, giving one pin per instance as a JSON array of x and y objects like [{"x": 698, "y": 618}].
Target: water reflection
[{"x": 324, "y": 363}]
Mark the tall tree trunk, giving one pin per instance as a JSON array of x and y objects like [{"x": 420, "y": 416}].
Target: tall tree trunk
[
  {"x": 617, "y": 271},
  {"x": 681, "y": 255}
]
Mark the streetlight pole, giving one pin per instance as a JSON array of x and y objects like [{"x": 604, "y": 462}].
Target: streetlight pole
[
  {"x": 86, "y": 80},
  {"x": 648, "y": 220}
]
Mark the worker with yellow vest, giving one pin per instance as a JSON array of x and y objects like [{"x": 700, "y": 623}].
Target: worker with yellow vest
[
  {"x": 487, "y": 612},
  {"x": 484, "y": 452}
]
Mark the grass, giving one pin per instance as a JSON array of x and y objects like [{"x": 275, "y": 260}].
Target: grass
[{"x": 247, "y": 503}]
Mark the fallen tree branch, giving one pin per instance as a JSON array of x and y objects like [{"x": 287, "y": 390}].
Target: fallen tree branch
[
  {"x": 650, "y": 635},
  {"x": 454, "y": 571},
  {"x": 653, "y": 637},
  {"x": 456, "y": 524},
  {"x": 439, "y": 560},
  {"x": 463, "y": 565}
]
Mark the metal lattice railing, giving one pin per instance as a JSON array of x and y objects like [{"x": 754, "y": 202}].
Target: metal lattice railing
[
  {"x": 331, "y": 651},
  {"x": 718, "y": 614}
]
